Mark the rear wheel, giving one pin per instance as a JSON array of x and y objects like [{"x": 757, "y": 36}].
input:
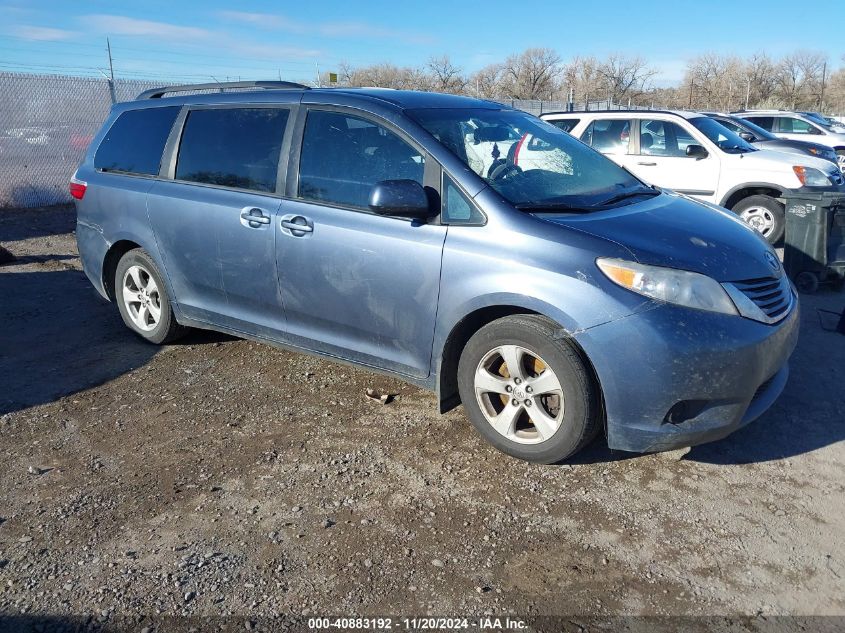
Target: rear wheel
[
  {"x": 764, "y": 214},
  {"x": 142, "y": 299},
  {"x": 526, "y": 392}
]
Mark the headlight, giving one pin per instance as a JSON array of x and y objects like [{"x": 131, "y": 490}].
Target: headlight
[
  {"x": 810, "y": 177},
  {"x": 680, "y": 287}
]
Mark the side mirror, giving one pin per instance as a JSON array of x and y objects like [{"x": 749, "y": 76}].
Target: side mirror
[
  {"x": 400, "y": 198},
  {"x": 747, "y": 136},
  {"x": 697, "y": 151}
]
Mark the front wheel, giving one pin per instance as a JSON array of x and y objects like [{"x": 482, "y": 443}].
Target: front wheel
[
  {"x": 142, "y": 299},
  {"x": 764, "y": 214},
  {"x": 526, "y": 392}
]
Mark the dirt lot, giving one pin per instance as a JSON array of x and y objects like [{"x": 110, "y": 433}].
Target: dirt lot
[{"x": 219, "y": 477}]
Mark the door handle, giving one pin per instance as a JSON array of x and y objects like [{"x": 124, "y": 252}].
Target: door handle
[
  {"x": 297, "y": 225},
  {"x": 646, "y": 164},
  {"x": 254, "y": 217}
]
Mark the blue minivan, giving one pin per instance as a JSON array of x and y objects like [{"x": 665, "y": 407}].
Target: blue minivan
[{"x": 463, "y": 246}]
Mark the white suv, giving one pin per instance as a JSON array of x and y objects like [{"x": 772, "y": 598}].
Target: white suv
[
  {"x": 697, "y": 156},
  {"x": 799, "y": 126}
]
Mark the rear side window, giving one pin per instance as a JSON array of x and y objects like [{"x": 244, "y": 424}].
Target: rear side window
[
  {"x": 565, "y": 124},
  {"x": 135, "y": 142},
  {"x": 344, "y": 156},
  {"x": 609, "y": 136},
  {"x": 232, "y": 147},
  {"x": 765, "y": 122}
]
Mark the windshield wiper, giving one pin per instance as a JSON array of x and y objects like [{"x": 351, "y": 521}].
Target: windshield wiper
[{"x": 619, "y": 197}]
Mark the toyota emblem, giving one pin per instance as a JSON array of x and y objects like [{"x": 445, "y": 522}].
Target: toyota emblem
[{"x": 772, "y": 260}]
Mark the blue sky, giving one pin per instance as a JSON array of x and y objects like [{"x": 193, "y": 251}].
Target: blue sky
[{"x": 197, "y": 40}]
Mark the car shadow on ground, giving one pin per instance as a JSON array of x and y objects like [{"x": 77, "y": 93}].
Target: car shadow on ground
[{"x": 59, "y": 337}]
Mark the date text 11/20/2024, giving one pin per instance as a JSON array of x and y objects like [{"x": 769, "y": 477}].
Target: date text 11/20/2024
[{"x": 418, "y": 624}]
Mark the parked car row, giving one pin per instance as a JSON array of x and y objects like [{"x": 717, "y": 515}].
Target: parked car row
[
  {"x": 461, "y": 245},
  {"x": 733, "y": 161}
]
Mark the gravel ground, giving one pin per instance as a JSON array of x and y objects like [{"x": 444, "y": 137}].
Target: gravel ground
[{"x": 218, "y": 480}]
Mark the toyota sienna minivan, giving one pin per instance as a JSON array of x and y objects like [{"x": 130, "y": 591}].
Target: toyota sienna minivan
[{"x": 555, "y": 298}]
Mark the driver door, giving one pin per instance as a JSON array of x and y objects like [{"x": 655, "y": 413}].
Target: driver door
[{"x": 357, "y": 285}]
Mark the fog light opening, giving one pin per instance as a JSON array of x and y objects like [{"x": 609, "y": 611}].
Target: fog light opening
[{"x": 684, "y": 411}]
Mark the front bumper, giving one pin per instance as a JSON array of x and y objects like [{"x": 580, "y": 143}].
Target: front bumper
[{"x": 674, "y": 377}]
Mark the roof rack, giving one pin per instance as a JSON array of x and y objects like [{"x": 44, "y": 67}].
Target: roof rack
[{"x": 157, "y": 93}]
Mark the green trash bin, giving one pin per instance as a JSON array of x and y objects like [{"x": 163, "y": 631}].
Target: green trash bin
[{"x": 814, "y": 242}]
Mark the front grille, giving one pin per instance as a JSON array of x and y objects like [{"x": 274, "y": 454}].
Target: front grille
[{"x": 772, "y": 297}]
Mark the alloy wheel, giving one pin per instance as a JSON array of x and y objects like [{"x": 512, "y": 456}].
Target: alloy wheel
[
  {"x": 519, "y": 394},
  {"x": 141, "y": 298}
]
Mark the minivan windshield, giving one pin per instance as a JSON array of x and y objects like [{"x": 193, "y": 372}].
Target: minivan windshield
[
  {"x": 532, "y": 164},
  {"x": 717, "y": 133}
]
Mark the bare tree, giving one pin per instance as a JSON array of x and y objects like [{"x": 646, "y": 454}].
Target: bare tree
[
  {"x": 487, "y": 82},
  {"x": 712, "y": 80},
  {"x": 715, "y": 81},
  {"x": 624, "y": 76},
  {"x": 798, "y": 79},
  {"x": 445, "y": 76},
  {"x": 532, "y": 74}
]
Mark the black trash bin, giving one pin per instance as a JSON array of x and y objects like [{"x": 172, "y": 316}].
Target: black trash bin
[{"x": 814, "y": 242}]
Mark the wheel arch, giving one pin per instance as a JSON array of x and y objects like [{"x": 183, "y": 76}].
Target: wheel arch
[
  {"x": 112, "y": 258},
  {"x": 745, "y": 190},
  {"x": 447, "y": 366}
]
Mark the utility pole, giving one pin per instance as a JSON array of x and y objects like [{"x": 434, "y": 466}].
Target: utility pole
[
  {"x": 317, "y": 66},
  {"x": 747, "y": 93},
  {"x": 821, "y": 96},
  {"x": 111, "y": 74}
]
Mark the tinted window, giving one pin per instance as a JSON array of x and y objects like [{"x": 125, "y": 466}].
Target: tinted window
[
  {"x": 237, "y": 147},
  {"x": 457, "y": 209},
  {"x": 609, "y": 136},
  {"x": 344, "y": 156},
  {"x": 765, "y": 122},
  {"x": 565, "y": 124},
  {"x": 135, "y": 142},
  {"x": 664, "y": 138},
  {"x": 733, "y": 127}
]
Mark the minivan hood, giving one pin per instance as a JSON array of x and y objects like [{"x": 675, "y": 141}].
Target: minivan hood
[{"x": 674, "y": 231}]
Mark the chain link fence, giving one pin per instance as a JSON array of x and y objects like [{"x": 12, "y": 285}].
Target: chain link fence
[
  {"x": 46, "y": 124},
  {"x": 48, "y": 121}
]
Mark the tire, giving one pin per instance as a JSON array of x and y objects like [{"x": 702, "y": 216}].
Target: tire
[
  {"x": 568, "y": 410},
  {"x": 142, "y": 299},
  {"x": 840, "y": 159},
  {"x": 764, "y": 214}
]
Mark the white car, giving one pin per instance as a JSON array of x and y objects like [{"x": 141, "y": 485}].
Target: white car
[
  {"x": 696, "y": 156},
  {"x": 799, "y": 126}
]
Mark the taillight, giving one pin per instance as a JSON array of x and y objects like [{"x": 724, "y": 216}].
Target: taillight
[{"x": 77, "y": 188}]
